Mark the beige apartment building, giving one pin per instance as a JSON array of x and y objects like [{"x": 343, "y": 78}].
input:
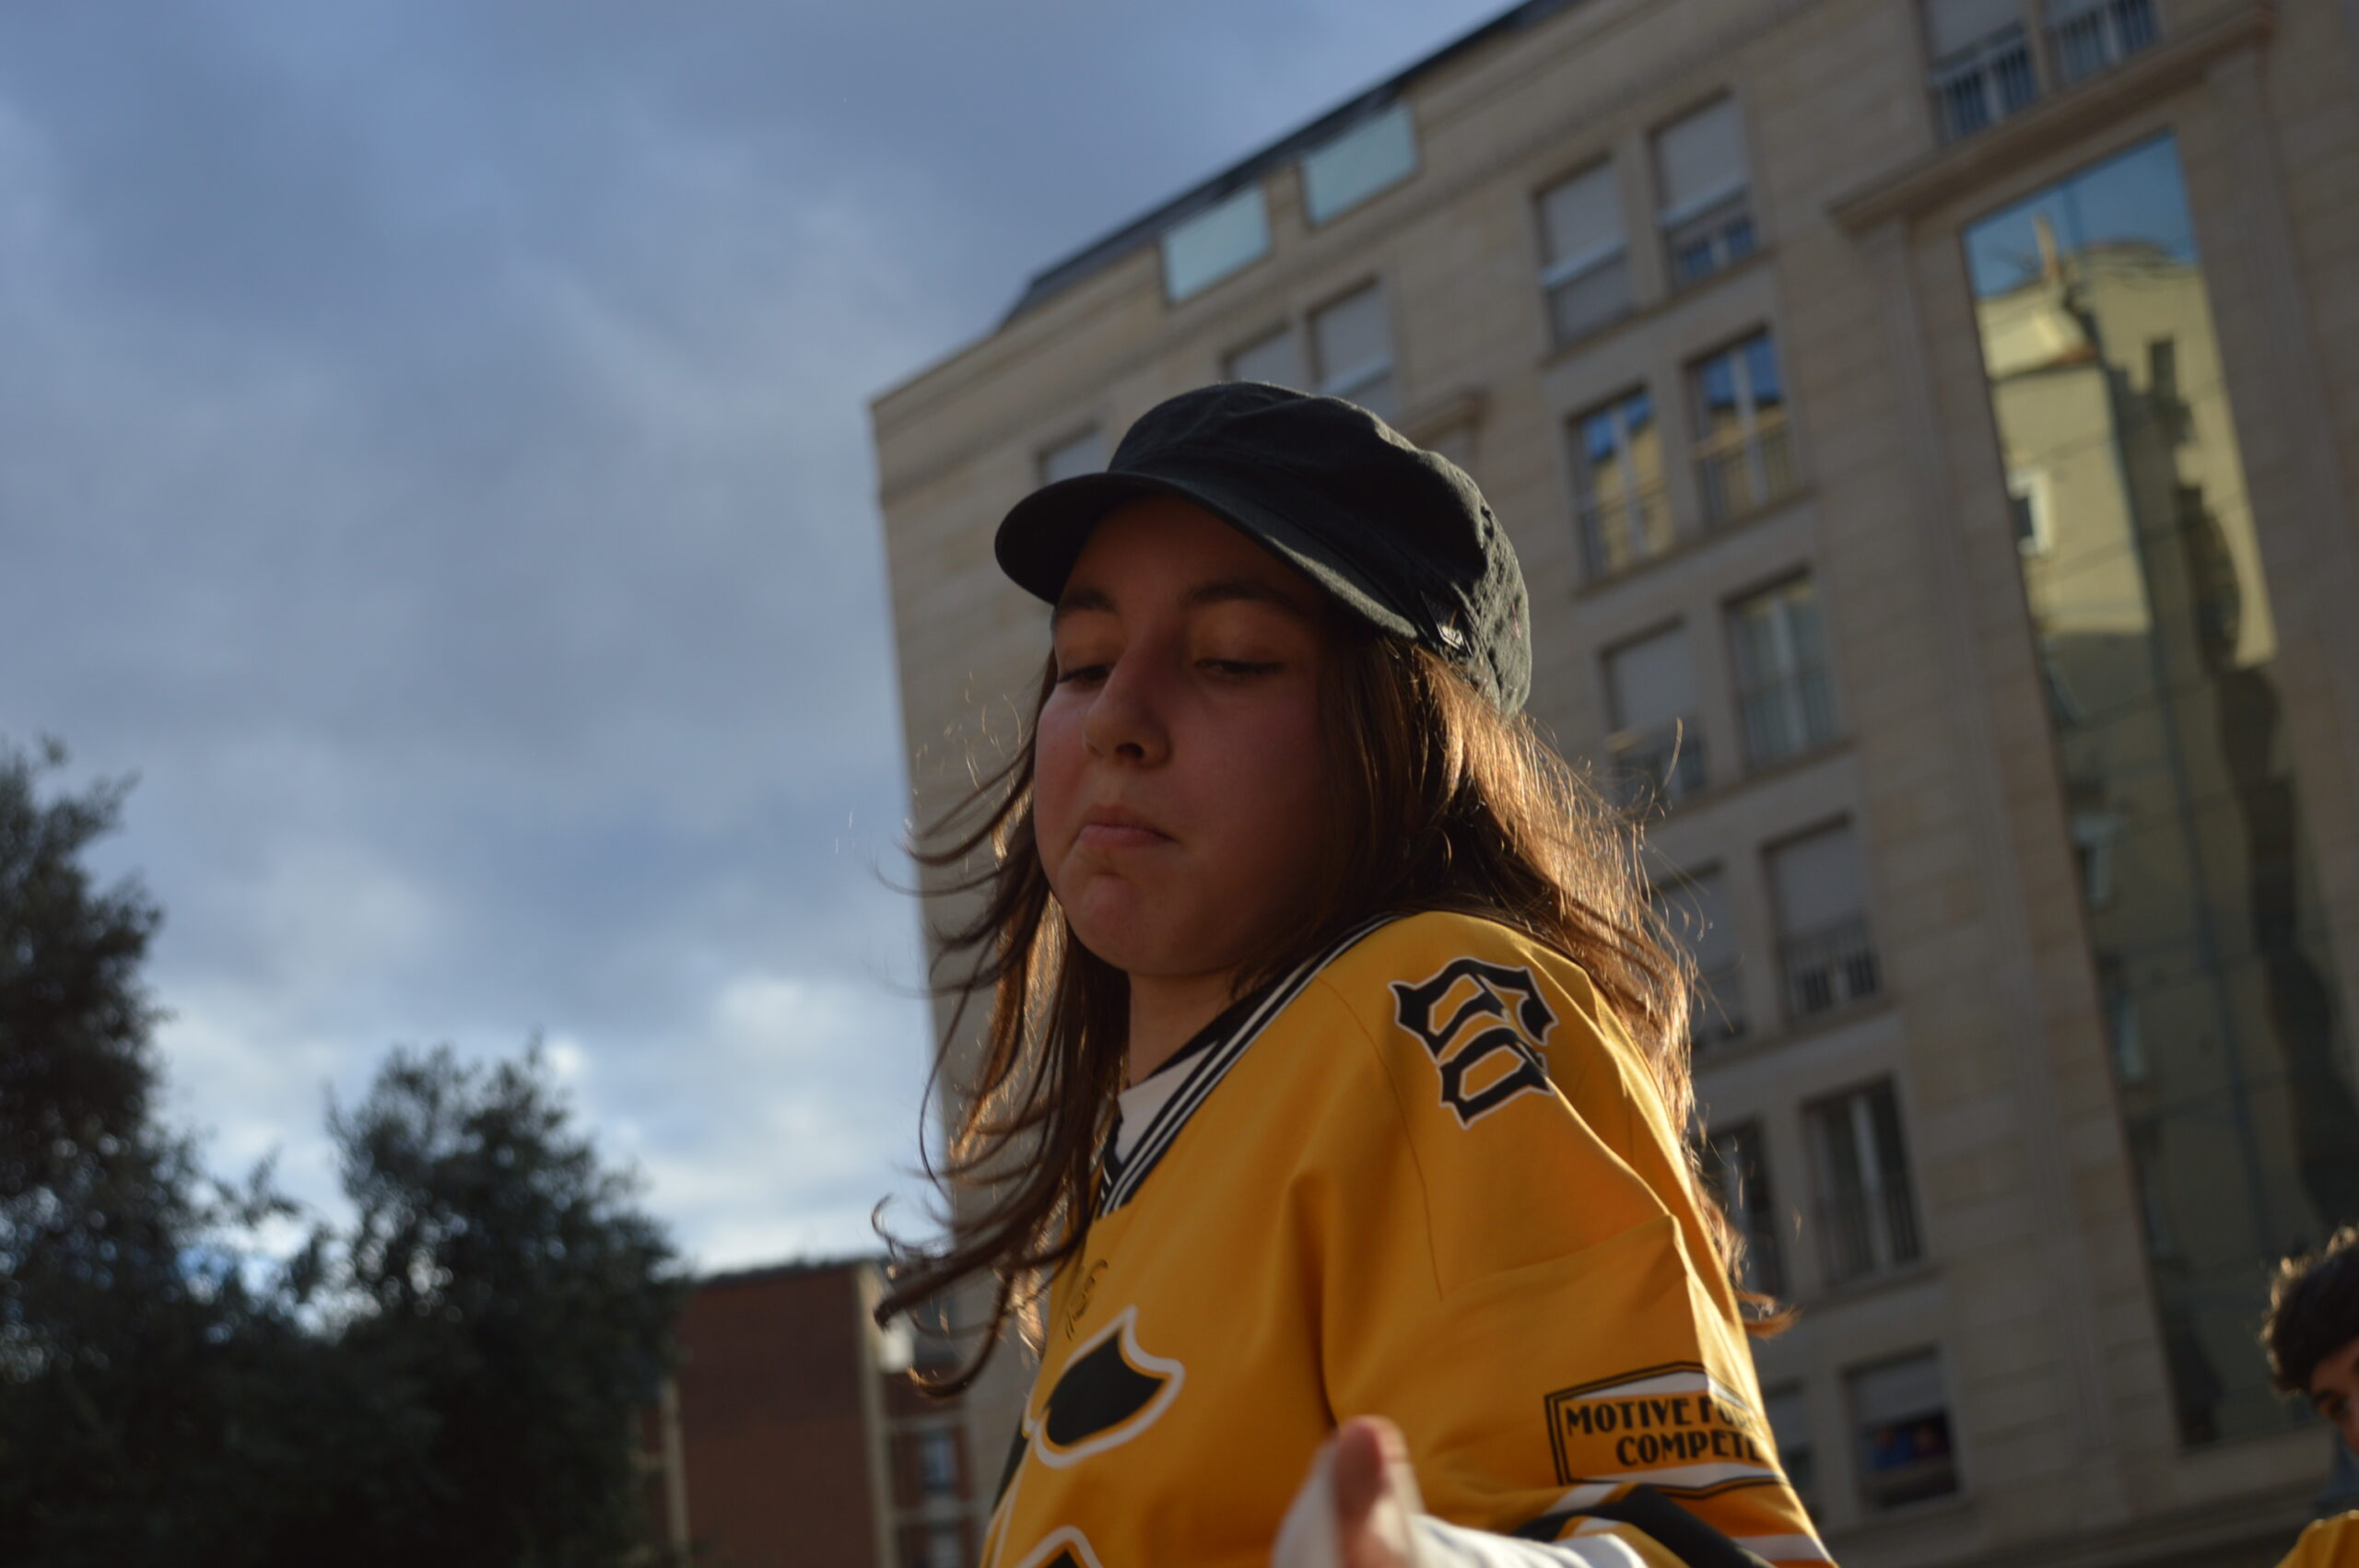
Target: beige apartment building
[{"x": 1931, "y": 430}]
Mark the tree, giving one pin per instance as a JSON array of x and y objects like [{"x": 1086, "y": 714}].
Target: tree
[
  {"x": 508, "y": 1279},
  {"x": 454, "y": 1379},
  {"x": 123, "y": 1334}
]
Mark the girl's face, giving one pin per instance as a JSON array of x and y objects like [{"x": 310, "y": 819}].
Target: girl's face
[{"x": 1178, "y": 773}]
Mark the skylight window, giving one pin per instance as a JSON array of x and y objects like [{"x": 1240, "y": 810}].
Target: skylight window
[
  {"x": 1374, "y": 155},
  {"x": 1201, "y": 250}
]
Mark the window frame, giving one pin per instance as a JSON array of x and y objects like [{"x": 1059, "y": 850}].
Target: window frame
[
  {"x": 1736, "y": 232},
  {"x": 1645, "y": 507},
  {"x": 1396, "y": 112},
  {"x": 1856, "y": 962},
  {"x": 1561, "y": 272},
  {"x": 1203, "y": 217},
  {"x": 1888, "y": 1185},
  {"x": 1765, "y": 447},
  {"x": 1325, "y": 381},
  {"x": 1790, "y": 677},
  {"x": 1864, "y": 1470}
]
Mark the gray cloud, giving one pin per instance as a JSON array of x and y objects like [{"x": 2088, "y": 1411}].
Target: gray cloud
[{"x": 433, "y": 455}]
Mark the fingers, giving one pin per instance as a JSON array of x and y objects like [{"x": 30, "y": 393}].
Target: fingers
[
  {"x": 1376, "y": 1495},
  {"x": 1362, "y": 1468}
]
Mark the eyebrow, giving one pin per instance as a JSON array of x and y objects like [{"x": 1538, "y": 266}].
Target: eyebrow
[{"x": 1220, "y": 590}]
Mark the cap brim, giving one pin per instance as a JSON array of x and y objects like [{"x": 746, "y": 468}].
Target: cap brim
[{"x": 1042, "y": 536}]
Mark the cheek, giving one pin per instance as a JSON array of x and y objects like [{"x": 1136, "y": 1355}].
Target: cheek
[
  {"x": 1058, "y": 754},
  {"x": 1276, "y": 772}
]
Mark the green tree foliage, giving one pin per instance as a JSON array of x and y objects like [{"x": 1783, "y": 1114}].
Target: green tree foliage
[
  {"x": 453, "y": 1379},
  {"x": 507, "y": 1279}
]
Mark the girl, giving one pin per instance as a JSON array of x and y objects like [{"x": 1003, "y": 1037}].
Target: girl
[{"x": 1335, "y": 1077}]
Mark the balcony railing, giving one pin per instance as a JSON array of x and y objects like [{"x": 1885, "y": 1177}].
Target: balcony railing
[
  {"x": 1702, "y": 241},
  {"x": 1788, "y": 715},
  {"x": 1662, "y": 764},
  {"x": 1745, "y": 469},
  {"x": 2085, "y": 36},
  {"x": 1829, "y": 968},
  {"x": 1985, "y": 82},
  {"x": 1864, "y": 1231},
  {"x": 1617, "y": 533}
]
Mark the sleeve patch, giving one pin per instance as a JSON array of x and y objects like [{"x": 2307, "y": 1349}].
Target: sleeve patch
[
  {"x": 1485, "y": 1025},
  {"x": 1676, "y": 1428}
]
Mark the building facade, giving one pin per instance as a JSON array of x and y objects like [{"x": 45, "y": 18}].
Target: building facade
[
  {"x": 789, "y": 1436},
  {"x": 1930, "y": 432}
]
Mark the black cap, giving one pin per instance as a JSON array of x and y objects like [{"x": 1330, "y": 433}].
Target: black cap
[{"x": 1399, "y": 535}]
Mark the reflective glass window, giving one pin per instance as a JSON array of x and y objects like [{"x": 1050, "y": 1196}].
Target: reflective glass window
[
  {"x": 1901, "y": 1413},
  {"x": 1618, "y": 501},
  {"x": 2152, "y": 628}
]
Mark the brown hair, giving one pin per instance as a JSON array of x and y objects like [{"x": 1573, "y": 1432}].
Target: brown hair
[
  {"x": 2313, "y": 1310},
  {"x": 1496, "y": 825}
]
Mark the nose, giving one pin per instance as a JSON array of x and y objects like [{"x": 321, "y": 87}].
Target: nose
[{"x": 1125, "y": 721}]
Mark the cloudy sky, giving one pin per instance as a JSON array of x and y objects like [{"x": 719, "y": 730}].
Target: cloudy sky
[{"x": 433, "y": 457}]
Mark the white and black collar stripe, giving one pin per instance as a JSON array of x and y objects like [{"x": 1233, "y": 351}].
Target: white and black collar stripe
[{"x": 1119, "y": 1180}]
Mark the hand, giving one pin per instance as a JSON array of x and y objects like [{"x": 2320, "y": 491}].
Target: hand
[{"x": 1355, "y": 1507}]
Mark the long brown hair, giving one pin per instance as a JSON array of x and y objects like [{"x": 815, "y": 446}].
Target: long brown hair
[{"x": 1440, "y": 803}]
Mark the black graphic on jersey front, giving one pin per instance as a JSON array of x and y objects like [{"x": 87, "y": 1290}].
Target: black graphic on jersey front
[
  {"x": 1097, "y": 1393},
  {"x": 1109, "y": 1393},
  {"x": 1488, "y": 1048}
]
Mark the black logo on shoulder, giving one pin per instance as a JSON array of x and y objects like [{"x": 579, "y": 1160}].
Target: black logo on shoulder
[
  {"x": 1109, "y": 1392},
  {"x": 1484, "y": 1024}
]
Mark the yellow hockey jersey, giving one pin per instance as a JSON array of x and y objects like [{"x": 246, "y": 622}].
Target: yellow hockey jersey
[{"x": 1425, "y": 1177}]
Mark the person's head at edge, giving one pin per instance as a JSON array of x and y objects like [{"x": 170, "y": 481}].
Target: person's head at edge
[
  {"x": 2312, "y": 1335},
  {"x": 1288, "y": 654}
]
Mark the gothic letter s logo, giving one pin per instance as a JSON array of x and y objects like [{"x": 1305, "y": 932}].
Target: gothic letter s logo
[{"x": 1487, "y": 1042}]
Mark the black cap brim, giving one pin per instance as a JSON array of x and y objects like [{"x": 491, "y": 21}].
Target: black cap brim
[{"x": 1043, "y": 534}]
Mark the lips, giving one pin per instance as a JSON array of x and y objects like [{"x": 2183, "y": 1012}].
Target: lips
[{"x": 1118, "y": 827}]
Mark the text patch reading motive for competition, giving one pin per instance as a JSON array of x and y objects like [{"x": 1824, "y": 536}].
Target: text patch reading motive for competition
[
  {"x": 1674, "y": 1427},
  {"x": 1485, "y": 1025}
]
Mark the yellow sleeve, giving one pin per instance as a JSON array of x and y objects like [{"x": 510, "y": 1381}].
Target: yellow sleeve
[
  {"x": 1512, "y": 1265},
  {"x": 2329, "y": 1543}
]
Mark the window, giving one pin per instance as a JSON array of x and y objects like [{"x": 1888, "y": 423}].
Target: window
[
  {"x": 945, "y": 1547},
  {"x": 1082, "y": 453},
  {"x": 1617, "y": 484},
  {"x": 2094, "y": 306},
  {"x": 1351, "y": 342},
  {"x": 1739, "y": 1177},
  {"x": 1697, "y": 908},
  {"x": 1982, "y": 69},
  {"x": 1584, "y": 261},
  {"x": 1199, "y": 252},
  {"x": 1275, "y": 360},
  {"x": 1783, "y": 689},
  {"x": 2031, "y": 500},
  {"x": 2085, "y": 36},
  {"x": 1823, "y": 948},
  {"x": 1867, "y": 1218},
  {"x": 1903, "y": 1418},
  {"x": 1788, "y": 1417},
  {"x": 938, "y": 1462},
  {"x": 1373, "y": 156},
  {"x": 1743, "y": 438},
  {"x": 1706, "y": 210},
  {"x": 1656, "y": 750}
]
